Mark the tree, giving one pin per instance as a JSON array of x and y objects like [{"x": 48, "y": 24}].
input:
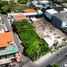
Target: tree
[
  {"x": 5, "y": 7},
  {"x": 43, "y": 10},
  {"x": 22, "y": 1}
]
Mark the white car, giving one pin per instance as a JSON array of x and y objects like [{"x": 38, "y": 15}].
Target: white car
[{"x": 65, "y": 65}]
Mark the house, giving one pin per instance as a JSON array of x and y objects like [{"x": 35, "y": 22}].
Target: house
[
  {"x": 29, "y": 10},
  {"x": 8, "y": 48},
  {"x": 59, "y": 20}
]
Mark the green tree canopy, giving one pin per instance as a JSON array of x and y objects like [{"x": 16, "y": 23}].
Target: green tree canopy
[
  {"x": 55, "y": 65},
  {"x": 5, "y": 7}
]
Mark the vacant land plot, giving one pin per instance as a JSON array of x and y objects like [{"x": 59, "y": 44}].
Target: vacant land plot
[{"x": 34, "y": 46}]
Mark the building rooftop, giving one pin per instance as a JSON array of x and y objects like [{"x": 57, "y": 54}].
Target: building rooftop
[
  {"x": 19, "y": 17},
  {"x": 62, "y": 16},
  {"x": 8, "y": 50},
  {"x": 51, "y": 11},
  {"x": 56, "y": 10},
  {"x": 5, "y": 38},
  {"x": 29, "y": 10}
]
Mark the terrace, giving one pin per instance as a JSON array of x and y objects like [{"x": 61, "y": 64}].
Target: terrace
[{"x": 7, "y": 44}]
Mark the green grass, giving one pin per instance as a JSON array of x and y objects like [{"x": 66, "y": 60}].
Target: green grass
[{"x": 34, "y": 46}]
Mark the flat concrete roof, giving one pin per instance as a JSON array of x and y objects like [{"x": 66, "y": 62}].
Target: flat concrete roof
[
  {"x": 62, "y": 16},
  {"x": 51, "y": 11}
]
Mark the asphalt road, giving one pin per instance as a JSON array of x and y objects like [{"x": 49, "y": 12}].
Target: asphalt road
[
  {"x": 52, "y": 59},
  {"x": 62, "y": 61}
]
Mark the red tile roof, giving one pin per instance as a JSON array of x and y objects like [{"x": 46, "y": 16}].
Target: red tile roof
[
  {"x": 20, "y": 17},
  {"x": 5, "y": 38},
  {"x": 29, "y": 10}
]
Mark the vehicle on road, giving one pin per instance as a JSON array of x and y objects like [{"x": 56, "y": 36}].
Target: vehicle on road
[{"x": 65, "y": 65}]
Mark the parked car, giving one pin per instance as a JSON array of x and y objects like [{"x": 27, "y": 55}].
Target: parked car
[{"x": 65, "y": 65}]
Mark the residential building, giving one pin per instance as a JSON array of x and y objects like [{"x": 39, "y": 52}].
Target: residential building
[{"x": 8, "y": 48}]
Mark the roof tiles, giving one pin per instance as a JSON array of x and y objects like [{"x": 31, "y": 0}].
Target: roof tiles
[
  {"x": 29, "y": 10},
  {"x": 5, "y": 38}
]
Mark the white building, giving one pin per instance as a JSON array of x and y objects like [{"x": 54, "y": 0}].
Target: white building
[{"x": 50, "y": 12}]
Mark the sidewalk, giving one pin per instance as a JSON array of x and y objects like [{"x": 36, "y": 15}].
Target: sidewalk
[{"x": 45, "y": 57}]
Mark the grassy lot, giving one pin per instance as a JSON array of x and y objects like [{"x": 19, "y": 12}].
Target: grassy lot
[{"x": 34, "y": 46}]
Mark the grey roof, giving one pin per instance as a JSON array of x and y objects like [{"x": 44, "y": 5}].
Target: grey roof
[{"x": 62, "y": 16}]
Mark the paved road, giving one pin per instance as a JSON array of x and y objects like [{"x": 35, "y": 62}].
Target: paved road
[
  {"x": 62, "y": 61},
  {"x": 52, "y": 59}
]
